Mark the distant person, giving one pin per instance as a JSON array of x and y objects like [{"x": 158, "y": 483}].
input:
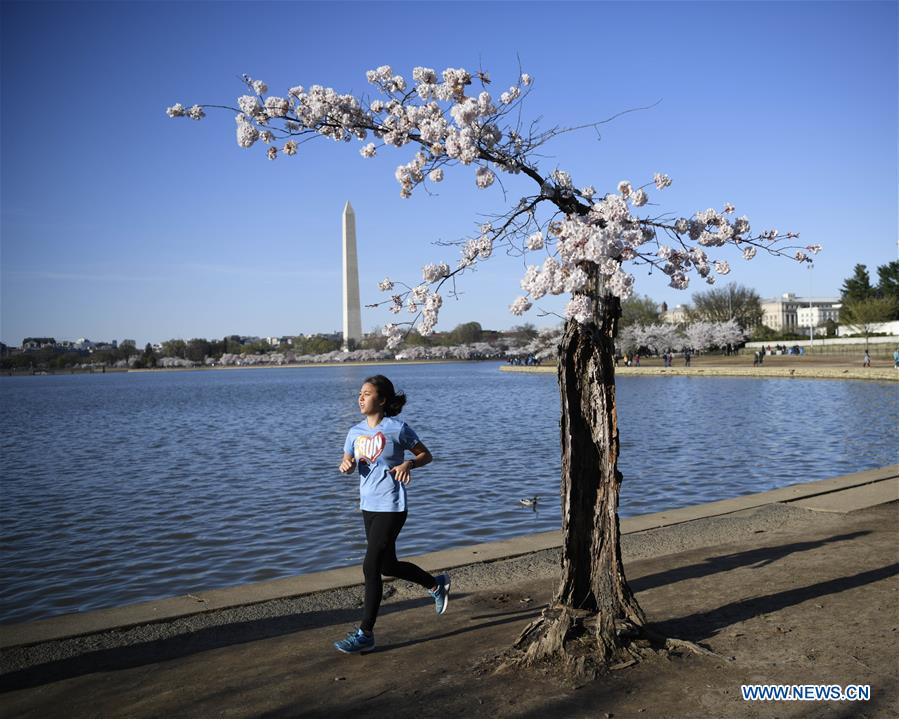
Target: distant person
[
  {"x": 896, "y": 358},
  {"x": 686, "y": 358},
  {"x": 379, "y": 444},
  {"x": 866, "y": 362},
  {"x": 637, "y": 360}
]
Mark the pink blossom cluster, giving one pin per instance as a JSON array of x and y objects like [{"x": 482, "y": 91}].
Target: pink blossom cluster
[
  {"x": 195, "y": 112},
  {"x": 448, "y": 124},
  {"x": 394, "y": 334},
  {"x": 433, "y": 272}
]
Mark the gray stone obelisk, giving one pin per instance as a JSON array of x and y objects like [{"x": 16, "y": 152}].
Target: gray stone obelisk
[{"x": 352, "y": 312}]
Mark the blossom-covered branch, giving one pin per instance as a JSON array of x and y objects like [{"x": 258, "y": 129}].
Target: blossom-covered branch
[{"x": 587, "y": 240}]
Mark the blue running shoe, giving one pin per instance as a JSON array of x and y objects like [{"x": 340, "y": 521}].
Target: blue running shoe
[
  {"x": 441, "y": 594},
  {"x": 355, "y": 642}
]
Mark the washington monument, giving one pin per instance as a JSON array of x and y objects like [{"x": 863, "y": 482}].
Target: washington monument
[{"x": 352, "y": 313}]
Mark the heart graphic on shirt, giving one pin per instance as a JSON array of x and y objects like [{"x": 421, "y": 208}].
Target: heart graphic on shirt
[{"x": 370, "y": 448}]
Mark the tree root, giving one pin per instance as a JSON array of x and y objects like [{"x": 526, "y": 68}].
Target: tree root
[
  {"x": 673, "y": 645},
  {"x": 684, "y": 644},
  {"x": 570, "y": 642}
]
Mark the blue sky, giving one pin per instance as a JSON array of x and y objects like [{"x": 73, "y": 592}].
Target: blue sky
[{"x": 120, "y": 222}]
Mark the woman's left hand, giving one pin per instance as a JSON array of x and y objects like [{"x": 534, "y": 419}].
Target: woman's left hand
[{"x": 402, "y": 472}]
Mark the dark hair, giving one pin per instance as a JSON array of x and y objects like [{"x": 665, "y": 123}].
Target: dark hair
[{"x": 393, "y": 402}]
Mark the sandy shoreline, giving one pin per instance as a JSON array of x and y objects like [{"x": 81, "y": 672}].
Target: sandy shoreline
[{"x": 877, "y": 374}]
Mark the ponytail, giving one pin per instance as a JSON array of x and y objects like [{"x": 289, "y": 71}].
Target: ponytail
[{"x": 393, "y": 401}]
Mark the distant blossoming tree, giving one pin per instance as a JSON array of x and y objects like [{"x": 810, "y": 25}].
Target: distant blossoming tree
[
  {"x": 700, "y": 335},
  {"x": 583, "y": 242},
  {"x": 657, "y": 338},
  {"x": 665, "y": 337}
]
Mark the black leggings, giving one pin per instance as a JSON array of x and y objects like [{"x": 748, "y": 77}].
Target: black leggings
[{"x": 381, "y": 531}]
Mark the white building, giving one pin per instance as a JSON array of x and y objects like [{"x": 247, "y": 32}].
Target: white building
[
  {"x": 676, "y": 316},
  {"x": 782, "y": 313},
  {"x": 817, "y": 316}
]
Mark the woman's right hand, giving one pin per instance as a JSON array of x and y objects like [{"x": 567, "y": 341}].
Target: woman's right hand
[{"x": 348, "y": 464}]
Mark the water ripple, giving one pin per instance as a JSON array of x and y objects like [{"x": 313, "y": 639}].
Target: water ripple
[{"x": 123, "y": 488}]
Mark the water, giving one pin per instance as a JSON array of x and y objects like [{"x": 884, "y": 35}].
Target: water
[{"x": 120, "y": 488}]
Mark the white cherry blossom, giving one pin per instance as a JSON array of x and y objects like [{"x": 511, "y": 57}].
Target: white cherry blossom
[
  {"x": 520, "y": 306},
  {"x": 580, "y": 309},
  {"x": 433, "y": 272},
  {"x": 484, "y": 177},
  {"x": 535, "y": 241}
]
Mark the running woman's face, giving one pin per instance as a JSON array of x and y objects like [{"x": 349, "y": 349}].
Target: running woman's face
[{"x": 369, "y": 402}]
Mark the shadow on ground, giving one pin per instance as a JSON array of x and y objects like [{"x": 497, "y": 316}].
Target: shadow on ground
[
  {"x": 756, "y": 558},
  {"x": 192, "y": 643},
  {"x": 703, "y": 625}
]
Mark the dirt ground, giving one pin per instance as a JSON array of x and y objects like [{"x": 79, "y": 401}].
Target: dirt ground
[{"x": 806, "y": 603}]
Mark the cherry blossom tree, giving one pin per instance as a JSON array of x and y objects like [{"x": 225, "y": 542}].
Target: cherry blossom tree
[
  {"x": 582, "y": 243},
  {"x": 655, "y": 337},
  {"x": 700, "y": 335},
  {"x": 729, "y": 333}
]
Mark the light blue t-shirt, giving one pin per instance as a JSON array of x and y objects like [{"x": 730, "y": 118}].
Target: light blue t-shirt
[{"x": 376, "y": 450}]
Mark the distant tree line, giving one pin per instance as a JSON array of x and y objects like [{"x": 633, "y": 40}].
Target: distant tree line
[
  {"x": 864, "y": 306},
  {"x": 201, "y": 349}
]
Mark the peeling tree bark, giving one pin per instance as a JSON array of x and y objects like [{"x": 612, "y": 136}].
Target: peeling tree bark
[{"x": 594, "y": 613}]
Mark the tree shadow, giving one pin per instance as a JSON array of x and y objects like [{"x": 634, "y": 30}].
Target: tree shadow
[
  {"x": 703, "y": 625},
  {"x": 533, "y": 612},
  {"x": 466, "y": 694},
  {"x": 588, "y": 698},
  {"x": 523, "y": 611},
  {"x": 192, "y": 642},
  {"x": 755, "y": 558}
]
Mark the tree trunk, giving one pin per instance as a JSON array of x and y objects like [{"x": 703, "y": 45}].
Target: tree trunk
[{"x": 594, "y": 614}]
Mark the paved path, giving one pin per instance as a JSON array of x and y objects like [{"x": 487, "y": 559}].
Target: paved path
[{"x": 875, "y": 374}]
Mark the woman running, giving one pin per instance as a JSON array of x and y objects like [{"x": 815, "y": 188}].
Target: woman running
[{"x": 378, "y": 445}]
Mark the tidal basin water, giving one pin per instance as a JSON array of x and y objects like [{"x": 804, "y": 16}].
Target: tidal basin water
[{"x": 120, "y": 488}]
